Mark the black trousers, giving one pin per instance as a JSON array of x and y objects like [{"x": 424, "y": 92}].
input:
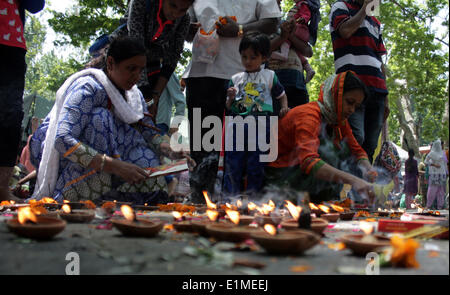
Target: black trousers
[
  {"x": 209, "y": 95},
  {"x": 295, "y": 97},
  {"x": 12, "y": 83}
]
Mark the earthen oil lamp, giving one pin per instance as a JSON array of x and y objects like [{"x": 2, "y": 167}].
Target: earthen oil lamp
[
  {"x": 285, "y": 243},
  {"x": 318, "y": 225},
  {"x": 180, "y": 223},
  {"x": 136, "y": 227},
  {"x": 316, "y": 210},
  {"x": 212, "y": 214},
  {"x": 199, "y": 226},
  {"x": 76, "y": 215},
  {"x": 343, "y": 213},
  {"x": 243, "y": 219},
  {"x": 266, "y": 214},
  {"x": 231, "y": 232},
  {"x": 331, "y": 217},
  {"x": 361, "y": 244},
  {"x": 29, "y": 225},
  {"x": 50, "y": 203}
]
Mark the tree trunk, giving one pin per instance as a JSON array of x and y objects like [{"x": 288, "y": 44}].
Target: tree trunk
[{"x": 407, "y": 123}]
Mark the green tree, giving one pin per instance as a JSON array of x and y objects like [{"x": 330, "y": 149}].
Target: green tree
[
  {"x": 87, "y": 20},
  {"x": 45, "y": 72}
]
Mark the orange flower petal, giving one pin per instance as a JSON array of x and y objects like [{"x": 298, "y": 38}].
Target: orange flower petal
[{"x": 300, "y": 268}]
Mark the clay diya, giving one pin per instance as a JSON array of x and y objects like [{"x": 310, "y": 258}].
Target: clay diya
[
  {"x": 238, "y": 219},
  {"x": 231, "y": 232},
  {"x": 76, "y": 215},
  {"x": 318, "y": 225},
  {"x": 361, "y": 244},
  {"x": 199, "y": 226},
  {"x": 50, "y": 203},
  {"x": 243, "y": 219},
  {"x": 180, "y": 224},
  {"x": 293, "y": 242},
  {"x": 344, "y": 214},
  {"x": 330, "y": 217},
  {"x": 314, "y": 209},
  {"x": 136, "y": 227},
  {"x": 29, "y": 225}
]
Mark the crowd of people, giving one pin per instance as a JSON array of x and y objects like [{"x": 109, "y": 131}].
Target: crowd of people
[{"x": 112, "y": 120}]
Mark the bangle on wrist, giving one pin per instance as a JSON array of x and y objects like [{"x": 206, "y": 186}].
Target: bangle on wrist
[{"x": 102, "y": 165}]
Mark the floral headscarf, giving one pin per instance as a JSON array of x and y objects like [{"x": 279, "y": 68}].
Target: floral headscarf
[
  {"x": 389, "y": 158},
  {"x": 331, "y": 104}
]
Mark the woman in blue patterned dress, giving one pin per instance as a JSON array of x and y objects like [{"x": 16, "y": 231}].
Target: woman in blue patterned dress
[{"x": 97, "y": 139}]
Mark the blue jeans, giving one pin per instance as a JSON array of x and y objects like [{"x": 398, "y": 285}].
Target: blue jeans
[
  {"x": 367, "y": 121},
  {"x": 241, "y": 163}
]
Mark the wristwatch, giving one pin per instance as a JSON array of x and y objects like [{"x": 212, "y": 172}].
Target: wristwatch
[{"x": 241, "y": 31}]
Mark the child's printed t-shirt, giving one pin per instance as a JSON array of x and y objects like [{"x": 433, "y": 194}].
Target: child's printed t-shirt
[{"x": 254, "y": 92}]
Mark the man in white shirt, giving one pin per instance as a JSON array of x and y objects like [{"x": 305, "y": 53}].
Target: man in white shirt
[{"x": 207, "y": 83}]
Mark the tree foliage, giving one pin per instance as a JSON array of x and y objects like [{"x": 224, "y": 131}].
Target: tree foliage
[{"x": 45, "y": 72}]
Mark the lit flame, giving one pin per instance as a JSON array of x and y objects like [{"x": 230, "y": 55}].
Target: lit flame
[
  {"x": 145, "y": 204},
  {"x": 251, "y": 206},
  {"x": 324, "y": 208},
  {"x": 66, "y": 208},
  {"x": 337, "y": 208},
  {"x": 234, "y": 216},
  {"x": 313, "y": 207},
  {"x": 177, "y": 215},
  {"x": 437, "y": 213},
  {"x": 212, "y": 214},
  {"x": 48, "y": 200},
  {"x": 228, "y": 206},
  {"x": 239, "y": 203},
  {"x": 12, "y": 202},
  {"x": 266, "y": 208},
  {"x": 366, "y": 227},
  {"x": 379, "y": 209},
  {"x": 115, "y": 201},
  {"x": 209, "y": 204},
  {"x": 269, "y": 228},
  {"x": 25, "y": 214},
  {"x": 127, "y": 212},
  {"x": 294, "y": 210},
  {"x": 66, "y": 201}
]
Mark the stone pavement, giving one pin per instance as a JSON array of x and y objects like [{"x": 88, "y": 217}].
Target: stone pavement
[{"x": 107, "y": 252}]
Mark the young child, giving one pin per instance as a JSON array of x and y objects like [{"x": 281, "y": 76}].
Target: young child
[
  {"x": 306, "y": 15},
  {"x": 250, "y": 94}
]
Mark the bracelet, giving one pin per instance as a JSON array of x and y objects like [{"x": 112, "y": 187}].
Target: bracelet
[{"x": 102, "y": 165}]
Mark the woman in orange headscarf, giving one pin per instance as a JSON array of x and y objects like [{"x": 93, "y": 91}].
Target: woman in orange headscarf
[{"x": 316, "y": 148}]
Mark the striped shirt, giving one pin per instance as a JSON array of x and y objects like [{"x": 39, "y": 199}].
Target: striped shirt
[{"x": 361, "y": 52}]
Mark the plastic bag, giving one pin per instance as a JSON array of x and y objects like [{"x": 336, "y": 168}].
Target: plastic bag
[{"x": 205, "y": 46}]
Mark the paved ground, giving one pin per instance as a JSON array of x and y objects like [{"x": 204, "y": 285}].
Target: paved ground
[{"x": 103, "y": 251}]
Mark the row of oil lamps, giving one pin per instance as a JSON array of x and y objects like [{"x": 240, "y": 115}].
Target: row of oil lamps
[{"x": 270, "y": 231}]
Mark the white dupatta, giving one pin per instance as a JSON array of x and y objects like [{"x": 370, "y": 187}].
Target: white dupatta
[{"x": 129, "y": 110}]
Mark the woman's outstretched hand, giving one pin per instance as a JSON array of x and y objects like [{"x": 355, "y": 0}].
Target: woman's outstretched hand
[
  {"x": 167, "y": 151},
  {"x": 364, "y": 189},
  {"x": 127, "y": 171}
]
